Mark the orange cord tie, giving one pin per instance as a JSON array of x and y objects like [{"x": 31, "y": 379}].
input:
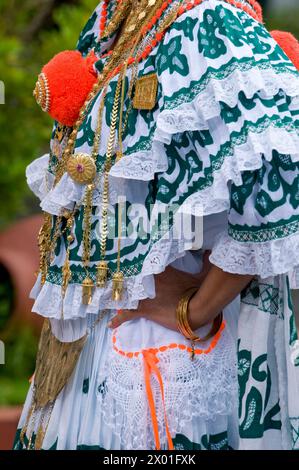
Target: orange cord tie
[{"x": 150, "y": 366}]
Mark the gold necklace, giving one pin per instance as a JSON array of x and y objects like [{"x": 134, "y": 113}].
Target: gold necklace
[
  {"x": 82, "y": 167},
  {"x": 88, "y": 284},
  {"x": 121, "y": 12},
  {"x": 102, "y": 267}
]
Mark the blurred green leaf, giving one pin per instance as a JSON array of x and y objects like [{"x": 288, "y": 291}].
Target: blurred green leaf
[
  {"x": 20, "y": 354},
  {"x": 25, "y": 130}
]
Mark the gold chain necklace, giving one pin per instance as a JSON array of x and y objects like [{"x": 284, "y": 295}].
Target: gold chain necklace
[
  {"x": 120, "y": 53},
  {"x": 102, "y": 268},
  {"x": 121, "y": 12},
  {"x": 82, "y": 167}
]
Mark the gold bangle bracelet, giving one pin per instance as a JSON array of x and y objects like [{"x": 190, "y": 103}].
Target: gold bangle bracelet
[{"x": 182, "y": 319}]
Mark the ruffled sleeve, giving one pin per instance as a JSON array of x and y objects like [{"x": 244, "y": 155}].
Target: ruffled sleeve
[{"x": 231, "y": 103}]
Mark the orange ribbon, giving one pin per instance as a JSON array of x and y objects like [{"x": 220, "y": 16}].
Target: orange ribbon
[{"x": 150, "y": 367}]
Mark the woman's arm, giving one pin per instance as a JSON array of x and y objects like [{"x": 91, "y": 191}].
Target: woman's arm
[{"x": 216, "y": 290}]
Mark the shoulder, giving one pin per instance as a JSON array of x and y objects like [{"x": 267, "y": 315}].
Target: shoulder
[{"x": 90, "y": 33}]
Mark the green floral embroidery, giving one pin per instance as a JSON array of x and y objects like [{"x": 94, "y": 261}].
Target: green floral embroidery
[
  {"x": 86, "y": 447},
  {"x": 244, "y": 367},
  {"x": 263, "y": 296},
  {"x": 292, "y": 322},
  {"x": 295, "y": 433},
  {"x": 85, "y": 387},
  {"x": 170, "y": 58},
  {"x": 19, "y": 446},
  {"x": 86, "y": 133},
  {"x": 208, "y": 442},
  {"x": 187, "y": 27},
  {"x": 256, "y": 419},
  {"x": 264, "y": 232},
  {"x": 273, "y": 190},
  {"x": 87, "y": 39},
  {"x": 208, "y": 43},
  {"x": 254, "y": 39}
]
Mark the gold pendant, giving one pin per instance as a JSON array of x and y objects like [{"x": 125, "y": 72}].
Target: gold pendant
[
  {"x": 119, "y": 156},
  {"x": 192, "y": 354},
  {"x": 39, "y": 438},
  {"x": 82, "y": 168},
  {"x": 120, "y": 14},
  {"x": 66, "y": 274},
  {"x": 146, "y": 92},
  {"x": 117, "y": 286},
  {"x": 87, "y": 291},
  {"x": 102, "y": 274}
]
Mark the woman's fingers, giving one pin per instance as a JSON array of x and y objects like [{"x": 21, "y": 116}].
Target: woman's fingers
[{"x": 122, "y": 317}]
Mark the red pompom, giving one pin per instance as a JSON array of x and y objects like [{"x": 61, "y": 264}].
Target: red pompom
[
  {"x": 70, "y": 78},
  {"x": 289, "y": 44}
]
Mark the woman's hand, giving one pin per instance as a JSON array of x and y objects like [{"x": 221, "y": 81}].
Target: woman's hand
[{"x": 170, "y": 286}]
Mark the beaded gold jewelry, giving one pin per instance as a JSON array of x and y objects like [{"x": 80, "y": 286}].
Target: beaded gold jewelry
[
  {"x": 66, "y": 270},
  {"x": 42, "y": 93},
  {"x": 81, "y": 168},
  {"x": 44, "y": 243}
]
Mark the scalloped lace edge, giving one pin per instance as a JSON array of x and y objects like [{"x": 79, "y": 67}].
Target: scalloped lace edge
[{"x": 264, "y": 259}]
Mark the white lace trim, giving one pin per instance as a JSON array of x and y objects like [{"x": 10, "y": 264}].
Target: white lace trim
[
  {"x": 39, "y": 179},
  {"x": 67, "y": 193},
  {"x": 203, "y": 113},
  {"x": 264, "y": 259},
  {"x": 139, "y": 287},
  {"x": 243, "y": 156},
  {"x": 265, "y": 82},
  {"x": 204, "y": 388}
]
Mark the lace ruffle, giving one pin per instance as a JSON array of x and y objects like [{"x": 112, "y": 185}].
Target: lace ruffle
[
  {"x": 196, "y": 101},
  {"x": 263, "y": 259},
  {"x": 66, "y": 194},
  {"x": 142, "y": 286},
  {"x": 39, "y": 179},
  {"x": 260, "y": 135}
]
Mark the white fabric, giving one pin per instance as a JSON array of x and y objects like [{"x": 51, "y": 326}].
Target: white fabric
[{"x": 265, "y": 259}]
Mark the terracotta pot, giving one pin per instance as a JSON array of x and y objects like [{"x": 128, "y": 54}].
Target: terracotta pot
[
  {"x": 9, "y": 418},
  {"x": 19, "y": 256}
]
